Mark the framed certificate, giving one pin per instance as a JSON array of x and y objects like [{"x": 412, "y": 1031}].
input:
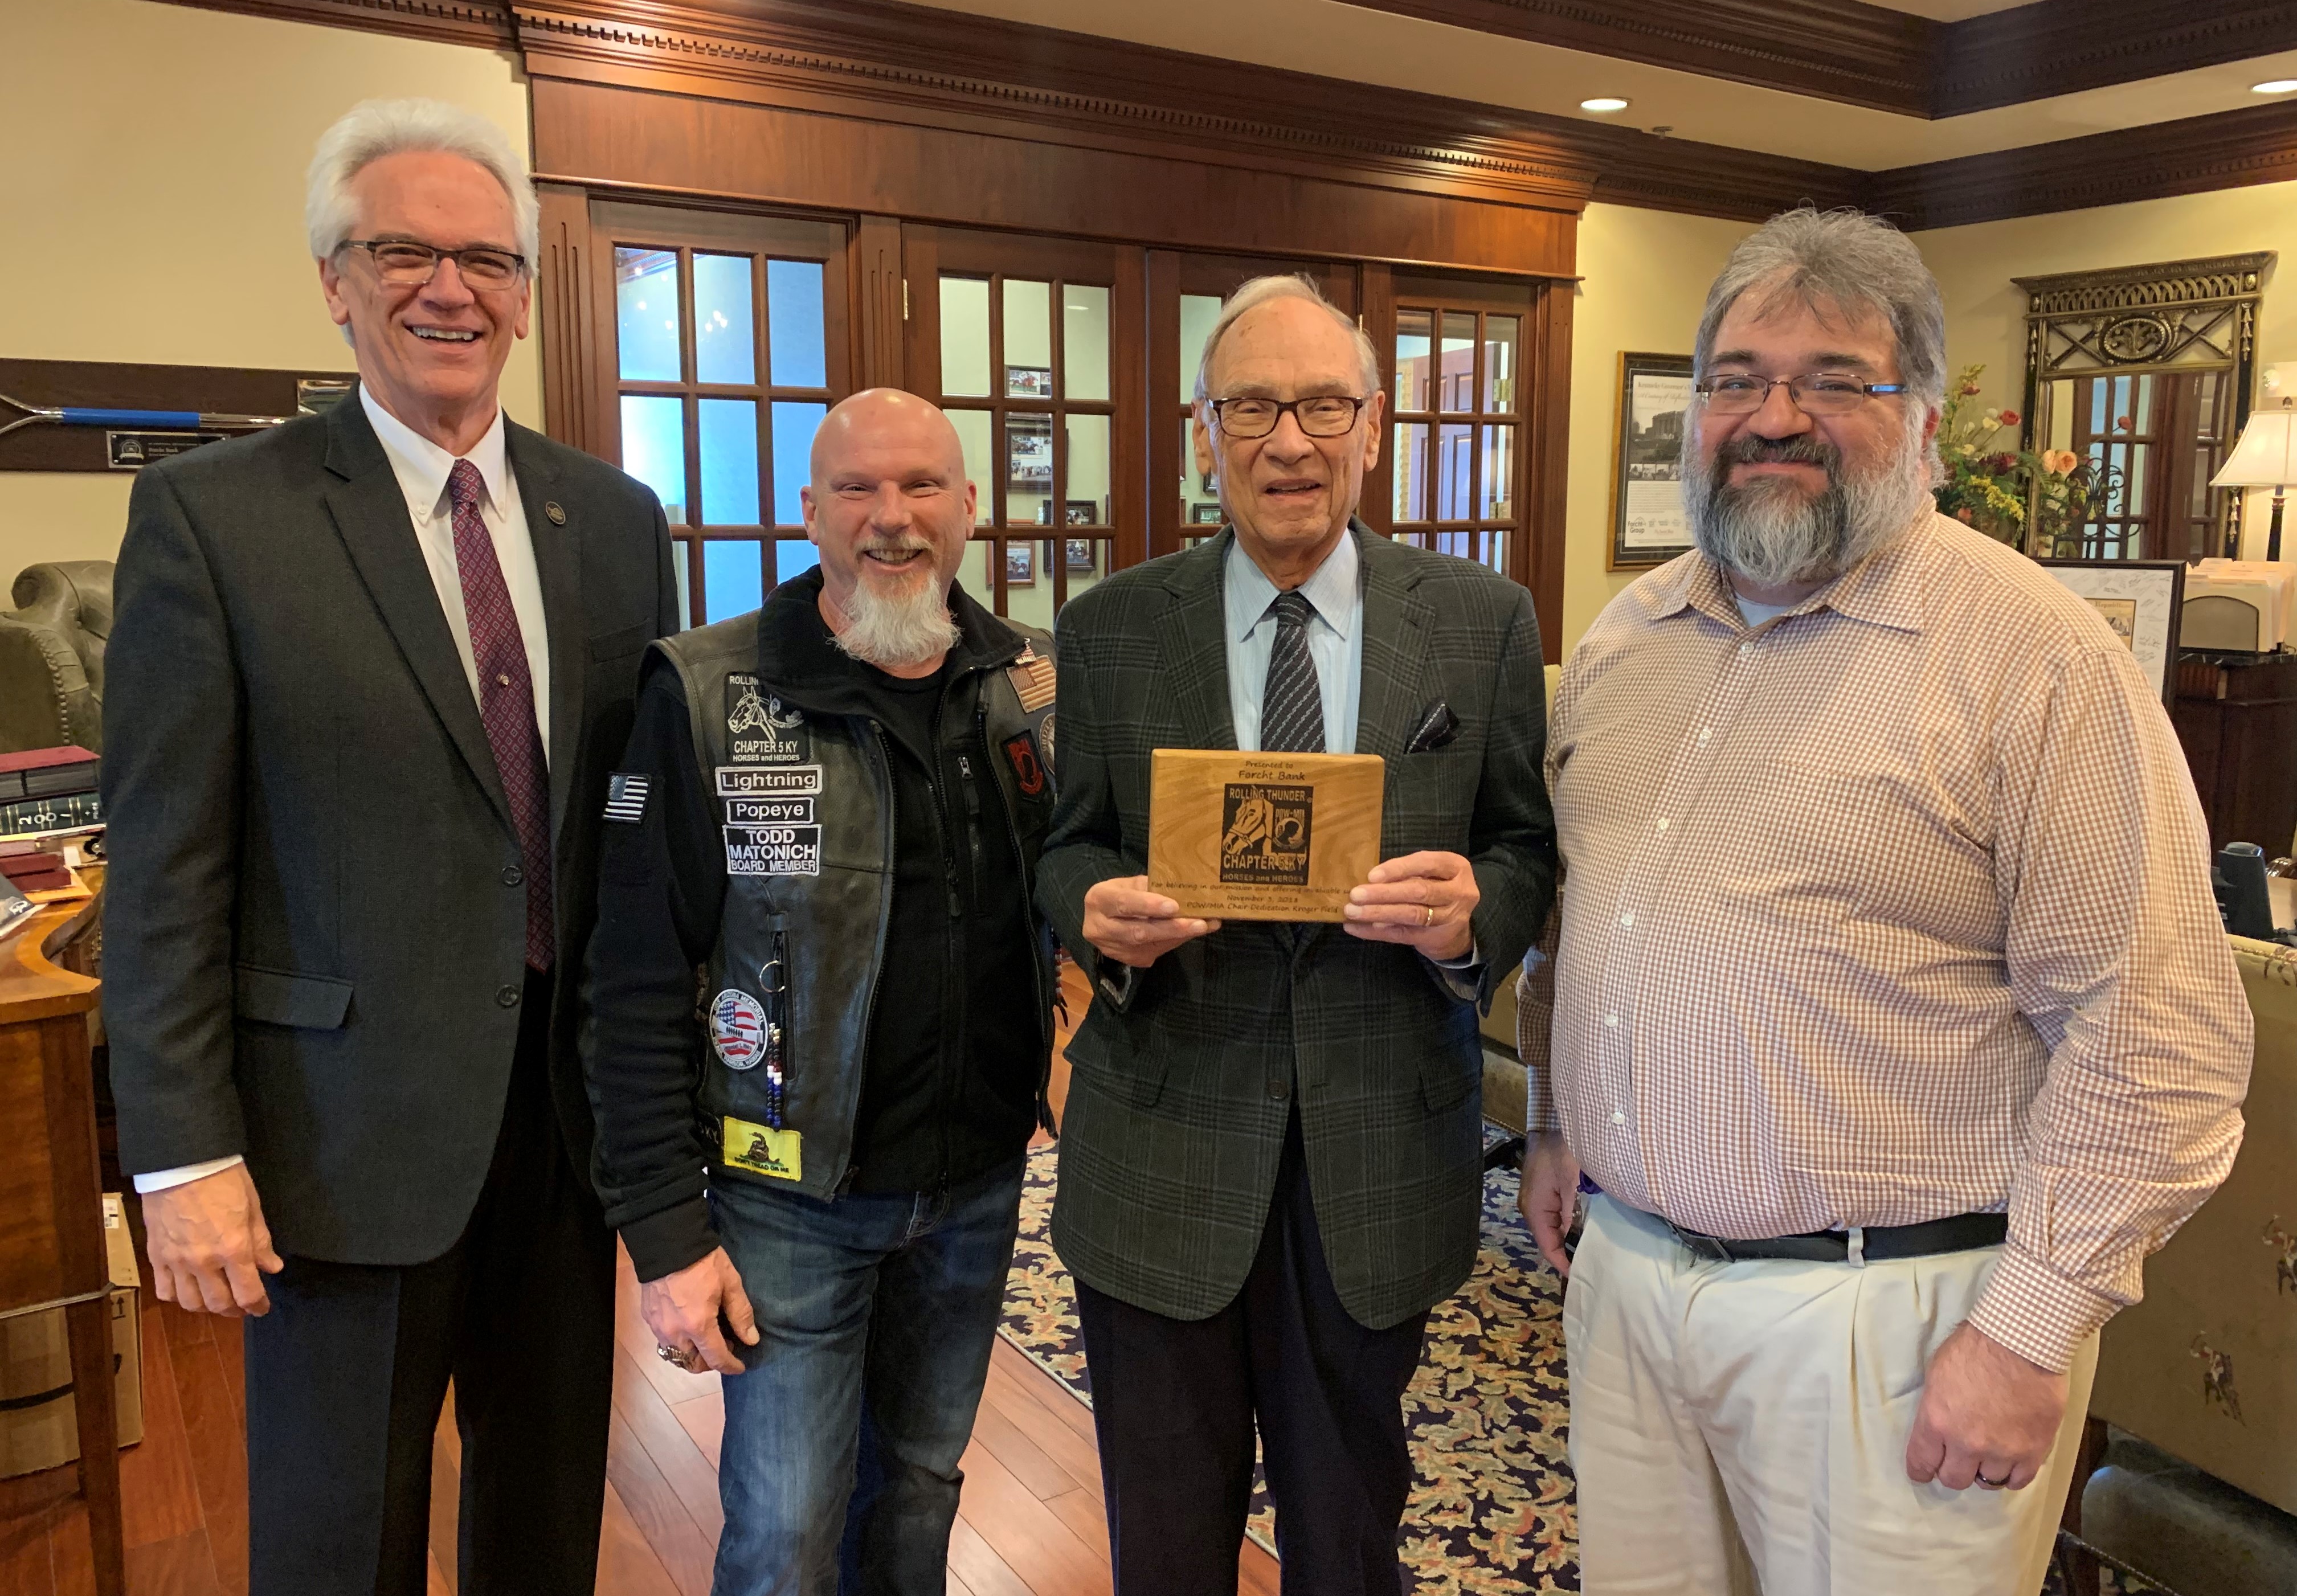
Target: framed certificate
[
  {"x": 1262, "y": 836},
  {"x": 1649, "y": 525}
]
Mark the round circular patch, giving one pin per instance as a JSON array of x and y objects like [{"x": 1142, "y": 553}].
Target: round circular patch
[{"x": 738, "y": 1029}]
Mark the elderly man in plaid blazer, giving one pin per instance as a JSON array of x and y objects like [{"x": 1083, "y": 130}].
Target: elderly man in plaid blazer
[{"x": 1271, "y": 1160}]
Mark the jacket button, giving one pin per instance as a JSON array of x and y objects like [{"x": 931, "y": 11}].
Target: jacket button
[
  {"x": 512, "y": 875},
  {"x": 1279, "y": 1090},
  {"x": 506, "y": 996}
]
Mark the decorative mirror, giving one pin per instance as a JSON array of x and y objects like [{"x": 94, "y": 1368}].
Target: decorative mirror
[{"x": 2144, "y": 373}]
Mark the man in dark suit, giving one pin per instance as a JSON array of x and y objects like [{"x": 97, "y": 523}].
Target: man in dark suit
[
  {"x": 1271, "y": 1158},
  {"x": 369, "y": 673}
]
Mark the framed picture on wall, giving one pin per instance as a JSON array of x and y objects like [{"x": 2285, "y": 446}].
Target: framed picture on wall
[
  {"x": 1206, "y": 515},
  {"x": 1648, "y": 525},
  {"x": 1020, "y": 563},
  {"x": 1081, "y": 511},
  {"x": 1029, "y": 382},
  {"x": 1029, "y": 452},
  {"x": 2141, "y": 602},
  {"x": 1080, "y": 555}
]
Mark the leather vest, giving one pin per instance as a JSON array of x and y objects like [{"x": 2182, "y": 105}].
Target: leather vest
[{"x": 806, "y": 801}]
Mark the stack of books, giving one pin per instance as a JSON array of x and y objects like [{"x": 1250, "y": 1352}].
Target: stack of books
[
  {"x": 48, "y": 790},
  {"x": 32, "y": 868}
]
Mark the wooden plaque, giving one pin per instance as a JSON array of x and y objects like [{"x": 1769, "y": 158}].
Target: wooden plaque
[{"x": 1262, "y": 836}]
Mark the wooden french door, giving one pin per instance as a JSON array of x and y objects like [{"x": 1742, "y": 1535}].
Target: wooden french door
[
  {"x": 1032, "y": 346},
  {"x": 728, "y": 343}
]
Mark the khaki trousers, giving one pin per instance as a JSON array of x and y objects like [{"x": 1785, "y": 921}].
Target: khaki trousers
[{"x": 1743, "y": 1428}]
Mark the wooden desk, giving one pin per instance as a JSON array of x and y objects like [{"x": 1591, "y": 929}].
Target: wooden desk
[
  {"x": 51, "y": 1196},
  {"x": 2238, "y": 723}
]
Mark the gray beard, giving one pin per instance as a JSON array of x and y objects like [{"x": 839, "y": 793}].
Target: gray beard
[
  {"x": 891, "y": 631},
  {"x": 1769, "y": 534}
]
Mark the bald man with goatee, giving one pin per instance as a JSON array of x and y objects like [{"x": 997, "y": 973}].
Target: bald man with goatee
[{"x": 832, "y": 806}]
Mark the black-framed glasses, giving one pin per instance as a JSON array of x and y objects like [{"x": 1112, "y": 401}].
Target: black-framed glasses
[
  {"x": 1320, "y": 414},
  {"x": 405, "y": 263},
  {"x": 1815, "y": 393}
]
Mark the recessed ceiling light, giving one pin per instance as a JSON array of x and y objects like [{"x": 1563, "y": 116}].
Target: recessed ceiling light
[
  {"x": 2277, "y": 85},
  {"x": 1613, "y": 103}
]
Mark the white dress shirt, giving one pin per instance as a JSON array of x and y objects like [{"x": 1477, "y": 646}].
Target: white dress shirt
[
  {"x": 1335, "y": 594},
  {"x": 422, "y": 468}
]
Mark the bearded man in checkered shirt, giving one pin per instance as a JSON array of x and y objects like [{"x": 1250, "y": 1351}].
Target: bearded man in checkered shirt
[{"x": 1894, "y": 1022}]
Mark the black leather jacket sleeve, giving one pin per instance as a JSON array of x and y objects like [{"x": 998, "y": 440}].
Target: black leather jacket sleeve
[{"x": 662, "y": 886}]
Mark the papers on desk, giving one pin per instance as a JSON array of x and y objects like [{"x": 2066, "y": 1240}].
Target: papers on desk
[{"x": 16, "y": 910}]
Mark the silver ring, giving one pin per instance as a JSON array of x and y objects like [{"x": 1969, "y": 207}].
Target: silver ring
[
  {"x": 682, "y": 1357},
  {"x": 1991, "y": 1485}
]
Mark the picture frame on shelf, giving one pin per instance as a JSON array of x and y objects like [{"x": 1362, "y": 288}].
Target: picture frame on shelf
[
  {"x": 1648, "y": 523},
  {"x": 1206, "y": 516},
  {"x": 2141, "y": 602},
  {"x": 1080, "y": 511},
  {"x": 1081, "y": 556},
  {"x": 1029, "y": 453},
  {"x": 1020, "y": 562},
  {"x": 1029, "y": 382}
]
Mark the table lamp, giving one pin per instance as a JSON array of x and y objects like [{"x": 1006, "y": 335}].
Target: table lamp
[{"x": 2266, "y": 455}]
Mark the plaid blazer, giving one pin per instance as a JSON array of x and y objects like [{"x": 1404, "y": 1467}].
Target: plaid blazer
[{"x": 1179, "y": 1096}]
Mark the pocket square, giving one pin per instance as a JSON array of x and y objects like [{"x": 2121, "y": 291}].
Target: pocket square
[{"x": 1438, "y": 726}]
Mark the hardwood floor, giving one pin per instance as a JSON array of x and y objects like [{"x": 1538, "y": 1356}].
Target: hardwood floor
[{"x": 1030, "y": 1524}]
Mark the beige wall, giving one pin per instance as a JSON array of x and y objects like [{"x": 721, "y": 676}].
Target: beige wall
[
  {"x": 1643, "y": 277},
  {"x": 158, "y": 174}
]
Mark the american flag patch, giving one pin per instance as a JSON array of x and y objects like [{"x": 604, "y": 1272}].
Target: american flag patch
[
  {"x": 1031, "y": 676},
  {"x": 626, "y": 797}
]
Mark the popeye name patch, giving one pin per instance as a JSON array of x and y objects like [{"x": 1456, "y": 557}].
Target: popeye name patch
[
  {"x": 773, "y": 850},
  {"x": 738, "y": 1029},
  {"x": 769, "y": 811},
  {"x": 745, "y": 781},
  {"x": 761, "y": 729},
  {"x": 626, "y": 797}
]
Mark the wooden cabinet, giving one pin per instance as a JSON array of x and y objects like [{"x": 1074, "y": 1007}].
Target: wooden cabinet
[{"x": 2238, "y": 723}]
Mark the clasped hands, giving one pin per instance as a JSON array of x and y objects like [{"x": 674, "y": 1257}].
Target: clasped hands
[{"x": 1424, "y": 901}]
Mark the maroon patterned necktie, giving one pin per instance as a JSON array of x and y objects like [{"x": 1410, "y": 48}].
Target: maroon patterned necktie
[{"x": 506, "y": 702}]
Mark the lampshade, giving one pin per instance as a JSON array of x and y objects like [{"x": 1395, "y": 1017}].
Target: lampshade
[{"x": 2266, "y": 455}]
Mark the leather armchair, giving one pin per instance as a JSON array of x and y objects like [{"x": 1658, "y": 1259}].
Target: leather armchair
[{"x": 51, "y": 657}]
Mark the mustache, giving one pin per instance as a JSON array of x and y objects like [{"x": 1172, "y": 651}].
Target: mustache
[{"x": 1752, "y": 449}]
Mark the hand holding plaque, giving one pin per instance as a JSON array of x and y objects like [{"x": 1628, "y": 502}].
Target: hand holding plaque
[{"x": 1263, "y": 836}]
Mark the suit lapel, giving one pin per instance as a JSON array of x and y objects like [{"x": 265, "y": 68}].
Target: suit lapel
[
  {"x": 558, "y": 558},
  {"x": 1193, "y": 630},
  {"x": 1398, "y": 625},
  {"x": 371, "y": 517}
]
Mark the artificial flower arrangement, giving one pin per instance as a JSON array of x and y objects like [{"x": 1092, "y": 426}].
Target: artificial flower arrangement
[{"x": 1997, "y": 489}]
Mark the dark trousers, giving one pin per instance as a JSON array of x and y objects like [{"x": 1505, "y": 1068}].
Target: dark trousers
[
  {"x": 1175, "y": 1403},
  {"x": 347, "y": 1373}
]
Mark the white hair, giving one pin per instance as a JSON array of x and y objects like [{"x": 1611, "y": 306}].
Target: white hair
[
  {"x": 1259, "y": 291},
  {"x": 375, "y": 129}
]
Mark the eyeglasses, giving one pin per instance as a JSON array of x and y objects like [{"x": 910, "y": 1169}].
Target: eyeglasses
[
  {"x": 405, "y": 263},
  {"x": 1320, "y": 415},
  {"x": 1815, "y": 393}
]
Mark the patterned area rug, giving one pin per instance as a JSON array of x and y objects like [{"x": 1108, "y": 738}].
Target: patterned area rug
[{"x": 1491, "y": 1508}]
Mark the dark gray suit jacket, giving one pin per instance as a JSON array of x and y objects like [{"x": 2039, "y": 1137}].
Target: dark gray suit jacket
[
  {"x": 314, "y": 940},
  {"x": 1179, "y": 1097}
]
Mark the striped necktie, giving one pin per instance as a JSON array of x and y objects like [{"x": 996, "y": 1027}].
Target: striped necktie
[{"x": 1292, "y": 706}]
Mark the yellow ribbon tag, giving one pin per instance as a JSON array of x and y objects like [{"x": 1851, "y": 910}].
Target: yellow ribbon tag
[{"x": 762, "y": 1150}]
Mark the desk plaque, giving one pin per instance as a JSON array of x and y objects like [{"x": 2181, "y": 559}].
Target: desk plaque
[{"x": 1262, "y": 836}]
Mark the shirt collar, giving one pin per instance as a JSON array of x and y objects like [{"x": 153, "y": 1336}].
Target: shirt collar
[
  {"x": 1885, "y": 588},
  {"x": 422, "y": 466},
  {"x": 1331, "y": 592}
]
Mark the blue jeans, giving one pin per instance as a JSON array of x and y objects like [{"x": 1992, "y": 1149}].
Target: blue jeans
[{"x": 876, "y": 1314}]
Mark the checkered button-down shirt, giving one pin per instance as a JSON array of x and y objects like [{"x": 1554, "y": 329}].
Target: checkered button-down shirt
[{"x": 1892, "y": 908}]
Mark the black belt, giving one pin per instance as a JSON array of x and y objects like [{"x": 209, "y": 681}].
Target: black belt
[{"x": 1878, "y": 1243}]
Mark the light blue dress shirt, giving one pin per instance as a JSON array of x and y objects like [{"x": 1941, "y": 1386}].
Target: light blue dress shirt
[{"x": 1335, "y": 640}]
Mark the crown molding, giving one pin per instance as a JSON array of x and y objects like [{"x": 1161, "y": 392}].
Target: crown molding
[
  {"x": 2063, "y": 46},
  {"x": 2231, "y": 149},
  {"x": 898, "y": 62},
  {"x": 485, "y": 22}
]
